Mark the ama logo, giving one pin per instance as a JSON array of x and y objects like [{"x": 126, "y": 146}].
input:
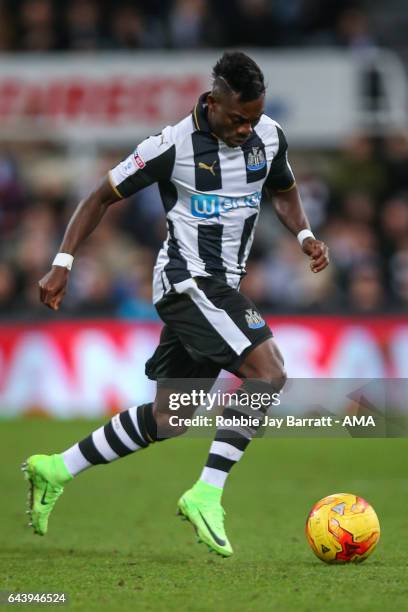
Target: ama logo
[{"x": 211, "y": 205}]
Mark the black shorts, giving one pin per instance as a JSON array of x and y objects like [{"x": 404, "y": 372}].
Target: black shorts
[{"x": 208, "y": 327}]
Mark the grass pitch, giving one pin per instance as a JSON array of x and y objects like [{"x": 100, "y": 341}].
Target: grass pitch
[{"x": 115, "y": 542}]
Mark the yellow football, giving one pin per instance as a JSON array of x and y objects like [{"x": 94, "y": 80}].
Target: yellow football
[{"x": 342, "y": 528}]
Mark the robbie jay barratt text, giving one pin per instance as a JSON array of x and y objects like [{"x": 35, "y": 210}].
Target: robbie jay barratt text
[{"x": 257, "y": 421}]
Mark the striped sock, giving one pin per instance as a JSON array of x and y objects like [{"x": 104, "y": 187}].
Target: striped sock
[
  {"x": 127, "y": 432},
  {"x": 224, "y": 453},
  {"x": 226, "y": 450},
  {"x": 230, "y": 442}
]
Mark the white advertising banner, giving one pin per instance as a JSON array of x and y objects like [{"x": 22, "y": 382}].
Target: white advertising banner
[{"x": 316, "y": 95}]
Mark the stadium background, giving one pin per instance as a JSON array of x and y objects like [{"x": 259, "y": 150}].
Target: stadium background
[{"x": 80, "y": 83}]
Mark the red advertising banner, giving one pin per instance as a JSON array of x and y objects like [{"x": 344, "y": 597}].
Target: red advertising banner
[
  {"x": 99, "y": 99},
  {"x": 92, "y": 368}
]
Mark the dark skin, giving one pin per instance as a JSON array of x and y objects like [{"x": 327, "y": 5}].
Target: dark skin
[
  {"x": 232, "y": 122},
  {"x": 86, "y": 217}
]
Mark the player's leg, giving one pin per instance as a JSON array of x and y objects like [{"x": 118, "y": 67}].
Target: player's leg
[
  {"x": 128, "y": 432},
  {"x": 202, "y": 503},
  {"x": 263, "y": 372},
  {"x": 237, "y": 338}
]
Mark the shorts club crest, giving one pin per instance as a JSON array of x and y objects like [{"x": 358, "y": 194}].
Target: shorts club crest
[{"x": 254, "y": 319}]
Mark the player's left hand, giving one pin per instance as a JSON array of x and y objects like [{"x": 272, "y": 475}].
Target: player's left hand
[{"x": 318, "y": 253}]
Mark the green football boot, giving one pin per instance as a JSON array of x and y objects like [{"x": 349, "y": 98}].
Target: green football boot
[
  {"x": 47, "y": 476},
  {"x": 201, "y": 505}
]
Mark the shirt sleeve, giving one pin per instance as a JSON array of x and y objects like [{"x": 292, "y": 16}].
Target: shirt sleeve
[
  {"x": 151, "y": 162},
  {"x": 280, "y": 177}
]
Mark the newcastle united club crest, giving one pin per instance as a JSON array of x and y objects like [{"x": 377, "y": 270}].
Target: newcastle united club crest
[
  {"x": 254, "y": 319},
  {"x": 256, "y": 159}
]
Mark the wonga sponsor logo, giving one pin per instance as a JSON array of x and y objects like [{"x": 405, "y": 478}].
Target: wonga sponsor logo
[
  {"x": 205, "y": 206},
  {"x": 210, "y": 205}
]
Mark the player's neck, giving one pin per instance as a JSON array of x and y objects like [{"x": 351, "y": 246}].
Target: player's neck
[{"x": 210, "y": 125}]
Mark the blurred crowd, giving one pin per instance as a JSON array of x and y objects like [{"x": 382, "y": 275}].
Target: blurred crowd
[
  {"x": 356, "y": 199},
  {"x": 87, "y": 25}
]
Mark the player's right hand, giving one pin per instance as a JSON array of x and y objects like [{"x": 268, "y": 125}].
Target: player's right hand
[{"x": 53, "y": 287}]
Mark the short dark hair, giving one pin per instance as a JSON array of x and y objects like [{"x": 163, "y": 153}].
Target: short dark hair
[{"x": 242, "y": 74}]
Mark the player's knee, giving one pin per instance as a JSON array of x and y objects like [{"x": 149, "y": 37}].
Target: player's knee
[
  {"x": 270, "y": 371},
  {"x": 275, "y": 375},
  {"x": 278, "y": 378}
]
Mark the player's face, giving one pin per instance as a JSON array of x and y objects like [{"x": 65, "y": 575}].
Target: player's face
[{"x": 233, "y": 121}]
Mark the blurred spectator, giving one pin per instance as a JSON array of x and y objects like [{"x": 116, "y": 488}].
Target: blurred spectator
[
  {"x": 288, "y": 19},
  {"x": 145, "y": 210},
  {"x": 358, "y": 168},
  {"x": 132, "y": 28},
  {"x": 366, "y": 290},
  {"x": 34, "y": 245},
  {"x": 41, "y": 25},
  {"x": 6, "y": 28},
  {"x": 253, "y": 25},
  {"x": 83, "y": 23},
  {"x": 134, "y": 288},
  {"x": 315, "y": 195},
  {"x": 127, "y": 27},
  {"x": 353, "y": 30},
  {"x": 351, "y": 244},
  {"x": 91, "y": 24},
  {"x": 187, "y": 24},
  {"x": 8, "y": 289},
  {"x": 38, "y": 30},
  {"x": 12, "y": 201},
  {"x": 360, "y": 207},
  {"x": 304, "y": 290},
  {"x": 90, "y": 289},
  {"x": 395, "y": 221},
  {"x": 396, "y": 161},
  {"x": 253, "y": 284},
  {"x": 399, "y": 276},
  {"x": 319, "y": 18}
]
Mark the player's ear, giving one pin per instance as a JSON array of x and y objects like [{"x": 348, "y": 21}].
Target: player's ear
[{"x": 211, "y": 101}]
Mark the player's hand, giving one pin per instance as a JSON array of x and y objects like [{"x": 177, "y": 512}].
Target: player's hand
[
  {"x": 318, "y": 253},
  {"x": 53, "y": 286}
]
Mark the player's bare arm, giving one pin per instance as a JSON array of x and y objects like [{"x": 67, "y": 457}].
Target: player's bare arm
[
  {"x": 289, "y": 209},
  {"x": 86, "y": 217}
]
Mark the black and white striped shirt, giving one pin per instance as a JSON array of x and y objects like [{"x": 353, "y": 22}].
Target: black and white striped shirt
[{"x": 211, "y": 195}]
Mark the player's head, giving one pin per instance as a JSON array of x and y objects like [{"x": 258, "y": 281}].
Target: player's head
[{"x": 236, "y": 101}]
